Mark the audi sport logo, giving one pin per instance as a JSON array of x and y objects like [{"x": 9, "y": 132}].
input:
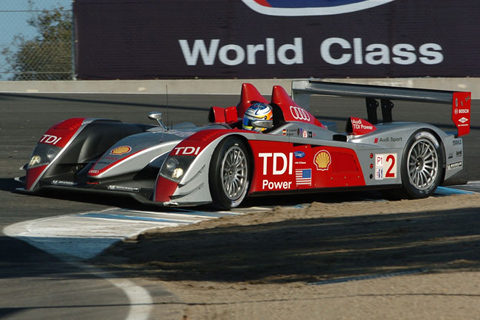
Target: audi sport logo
[{"x": 299, "y": 113}]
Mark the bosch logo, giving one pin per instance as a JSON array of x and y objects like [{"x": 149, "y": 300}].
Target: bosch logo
[
  {"x": 310, "y": 7},
  {"x": 299, "y": 113}
]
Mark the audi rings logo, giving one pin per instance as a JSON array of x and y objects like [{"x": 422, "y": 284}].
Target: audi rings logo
[{"x": 299, "y": 113}]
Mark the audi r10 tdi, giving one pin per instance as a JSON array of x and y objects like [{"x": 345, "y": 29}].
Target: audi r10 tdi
[{"x": 222, "y": 163}]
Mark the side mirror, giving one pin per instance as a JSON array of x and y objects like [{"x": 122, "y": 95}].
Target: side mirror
[{"x": 155, "y": 115}]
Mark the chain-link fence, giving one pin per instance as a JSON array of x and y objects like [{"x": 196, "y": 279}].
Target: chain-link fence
[{"x": 36, "y": 44}]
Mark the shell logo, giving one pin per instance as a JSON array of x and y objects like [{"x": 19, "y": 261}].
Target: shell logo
[
  {"x": 121, "y": 150},
  {"x": 322, "y": 160}
]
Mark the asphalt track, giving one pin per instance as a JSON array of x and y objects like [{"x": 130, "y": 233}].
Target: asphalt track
[{"x": 36, "y": 284}]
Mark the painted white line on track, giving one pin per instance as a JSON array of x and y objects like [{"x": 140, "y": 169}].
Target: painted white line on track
[
  {"x": 85, "y": 235},
  {"x": 141, "y": 302},
  {"x": 77, "y": 237}
]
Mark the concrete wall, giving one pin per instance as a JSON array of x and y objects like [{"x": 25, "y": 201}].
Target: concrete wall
[{"x": 220, "y": 86}]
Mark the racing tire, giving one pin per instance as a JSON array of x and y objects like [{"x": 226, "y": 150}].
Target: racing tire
[
  {"x": 229, "y": 173},
  {"x": 422, "y": 165}
]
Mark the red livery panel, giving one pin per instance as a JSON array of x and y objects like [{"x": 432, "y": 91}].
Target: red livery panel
[
  {"x": 461, "y": 112},
  {"x": 194, "y": 144},
  {"x": 164, "y": 189},
  {"x": 292, "y": 111},
  {"x": 32, "y": 175},
  {"x": 61, "y": 133},
  {"x": 358, "y": 126},
  {"x": 280, "y": 166}
]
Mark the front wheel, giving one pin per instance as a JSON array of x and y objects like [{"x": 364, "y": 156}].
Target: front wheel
[
  {"x": 422, "y": 165},
  {"x": 229, "y": 175}
]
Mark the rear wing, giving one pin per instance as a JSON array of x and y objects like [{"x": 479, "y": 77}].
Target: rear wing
[{"x": 459, "y": 101}]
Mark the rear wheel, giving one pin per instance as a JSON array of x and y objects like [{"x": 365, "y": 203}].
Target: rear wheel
[
  {"x": 422, "y": 165},
  {"x": 229, "y": 175}
]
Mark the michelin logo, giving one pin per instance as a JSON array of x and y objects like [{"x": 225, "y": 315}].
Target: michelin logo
[{"x": 311, "y": 7}]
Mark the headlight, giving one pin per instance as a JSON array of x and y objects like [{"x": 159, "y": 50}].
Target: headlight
[
  {"x": 36, "y": 160},
  {"x": 51, "y": 154},
  {"x": 175, "y": 167},
  {"x": 177, "y": 173},
  {"x": 171, "y": 164},
  {"x": 43, "y": 154}
]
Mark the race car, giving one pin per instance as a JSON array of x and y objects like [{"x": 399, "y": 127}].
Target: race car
[{"x": 222, "y": 163}]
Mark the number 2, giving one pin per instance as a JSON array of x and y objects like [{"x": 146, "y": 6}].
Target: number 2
[{"x": 392, "y": 169}]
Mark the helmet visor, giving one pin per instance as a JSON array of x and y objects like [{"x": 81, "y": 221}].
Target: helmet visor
[{"x": 247, "y": 122}]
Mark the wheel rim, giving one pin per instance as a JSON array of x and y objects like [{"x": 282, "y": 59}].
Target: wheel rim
[
  {"x": 422, "y": 164},
  {"x": 234, "y": 173}
]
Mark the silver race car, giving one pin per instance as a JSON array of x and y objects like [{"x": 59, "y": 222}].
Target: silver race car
[{"x": 222, "y": 163}]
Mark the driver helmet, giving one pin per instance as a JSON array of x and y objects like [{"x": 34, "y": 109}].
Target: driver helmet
[{"x": 257, "y": 111}]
